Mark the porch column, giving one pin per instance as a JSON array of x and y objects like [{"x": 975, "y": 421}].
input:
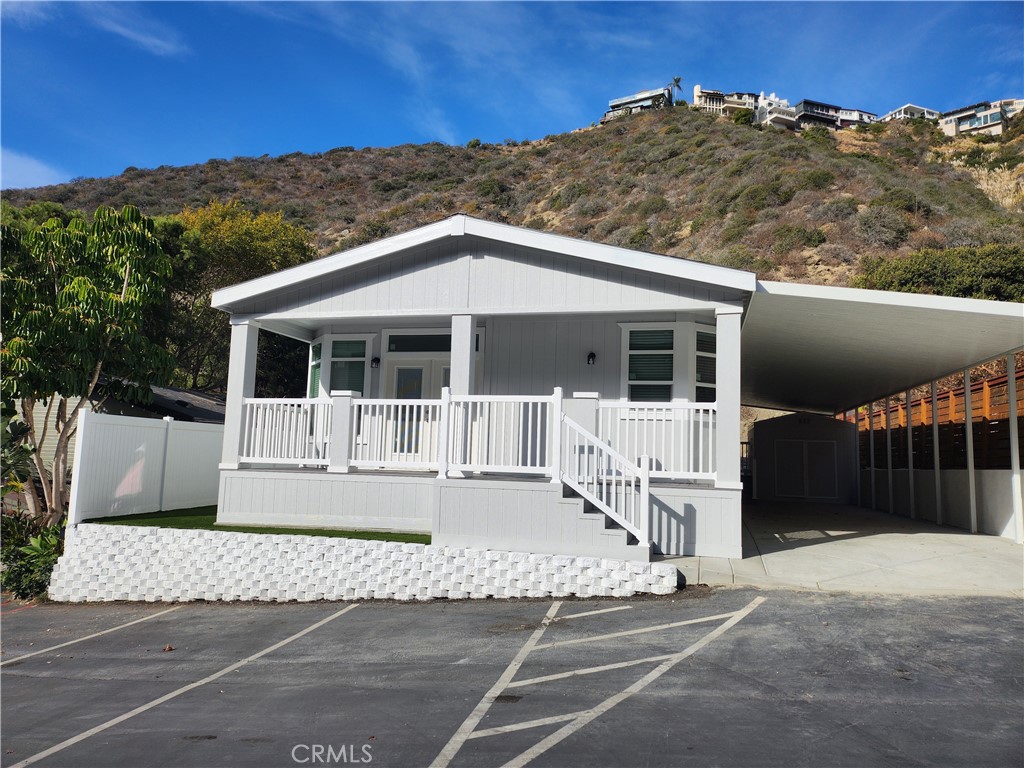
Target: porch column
[
  {"x": 727, "y": 439},
  {"x": 463, "y": 354},
  {"x": 1016, "y": 493},
  {"x": 241, "y": 384}
]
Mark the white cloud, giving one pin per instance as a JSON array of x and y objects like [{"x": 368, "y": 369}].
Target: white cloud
[
  {"x": 18, "y": 171},
  {"x": 123, "y": 20},
  {"x": 26, "y": 14}
]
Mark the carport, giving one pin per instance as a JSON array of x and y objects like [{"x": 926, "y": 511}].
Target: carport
[{"x": 833, "y": 351}]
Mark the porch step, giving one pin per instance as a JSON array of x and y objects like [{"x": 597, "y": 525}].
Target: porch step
[{"x": 605, "y": 532}]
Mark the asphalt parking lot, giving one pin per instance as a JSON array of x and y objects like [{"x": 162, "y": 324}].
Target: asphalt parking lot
[{"x": 731, "y": 677}]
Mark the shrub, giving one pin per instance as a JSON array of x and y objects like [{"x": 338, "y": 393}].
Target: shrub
[
  {"x": 882, "y": 226},
  {"x": 639, "y": 239},
  {"x": 652, "y": 205},
  {"x": 28, "y": 552},
  {"x": 818, "y": 178},
  {"x": 901, "y": 200},
  {"x": 836, "y": 210},
  {"x": 741, "y": 257},
  {"x": 789, "y": 236},
  {"x": 758, "y": 196},
  {"x": 743, "y": 117},
  {"x": 989, "y": 272},
  {"x": 820, "y": 135}
]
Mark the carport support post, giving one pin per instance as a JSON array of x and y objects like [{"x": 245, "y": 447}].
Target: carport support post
[
  {"x": 910, "y": 453},
  {"x": 1016, "y": 492},
  {"x": 727, "y": 441},
  {"x": 871, "y": 453},
  {"x": 888, "y": 452},
  {"x": 969, "y": 435},
  {"x": 241, "y": 385},
  {"x": 936, "y": 460}
]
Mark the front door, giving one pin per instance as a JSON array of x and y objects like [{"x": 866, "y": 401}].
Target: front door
[{"x": 417, "y": 379}]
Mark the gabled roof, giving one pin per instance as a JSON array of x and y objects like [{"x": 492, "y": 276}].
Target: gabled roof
[{"x": 461, "y": 225}]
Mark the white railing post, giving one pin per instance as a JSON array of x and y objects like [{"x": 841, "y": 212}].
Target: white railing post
[
  {"x": 556, "y": 435},
  {"x": 443, "y": 432},
  {"x": 726, "y": 424},
  {"x": 645, "y": 498},
  {"x": 340, "y": 439}
]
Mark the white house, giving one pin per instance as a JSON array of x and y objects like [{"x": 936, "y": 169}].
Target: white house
[{"x": 507, "y": 388}]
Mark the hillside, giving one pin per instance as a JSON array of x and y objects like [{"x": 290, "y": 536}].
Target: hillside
[{"x": 799, "y": 207}]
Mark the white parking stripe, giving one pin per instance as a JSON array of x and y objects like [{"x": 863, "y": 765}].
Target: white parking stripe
[
  {"x": 563, "y": 733},
  {"x": 526, "y": 724},
  {"x": 593, "y": 613},
  {"x": 174, "y": 694},
  {"x": 459, "y": 738},
  {"x": 589, "y": 670},
  {"x": 641, "y": 631},
  {"x": 89, "y": 637}
]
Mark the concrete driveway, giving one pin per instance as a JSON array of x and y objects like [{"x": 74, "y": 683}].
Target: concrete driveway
[{"x": 849, "y": 549}]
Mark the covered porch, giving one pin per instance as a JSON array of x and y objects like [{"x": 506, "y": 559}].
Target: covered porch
[{"x": 455, "y": 412}]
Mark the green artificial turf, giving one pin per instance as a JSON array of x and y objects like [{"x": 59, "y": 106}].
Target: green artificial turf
[{"x": 205, "y": 519}]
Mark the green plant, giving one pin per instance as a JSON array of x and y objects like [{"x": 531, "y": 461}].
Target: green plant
[
  {"x": 882, "y": 226},
  {"x": 473, "y": 143},
  {"x": 788, "y": 237},
  {"x": 901, "y": 200},
  {"x": 836, "y": 210},
  {"x": 743, "y": 117},
  {"x": 988, "y": 272},
  {"x": 820, "y": 135},
  {"x": 28, "y": 551}
]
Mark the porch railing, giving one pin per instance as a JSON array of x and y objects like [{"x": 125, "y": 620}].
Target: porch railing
[
  {"x": 286, "y": 431},
  {"x": 679, "y": 437},
  {"x": 475, "y": 433},
  {"x": 500, "y": 433},
  {"x": 617, "y": 486},
  {"x": 396, "y": 434}
]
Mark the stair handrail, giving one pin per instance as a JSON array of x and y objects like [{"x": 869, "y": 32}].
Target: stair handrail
[{"x": 633, "y": 480}]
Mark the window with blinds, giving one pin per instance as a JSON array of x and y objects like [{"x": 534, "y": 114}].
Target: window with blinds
[
  {"x": 650, "y": 354},
  {"x": 706, "y": 376}
]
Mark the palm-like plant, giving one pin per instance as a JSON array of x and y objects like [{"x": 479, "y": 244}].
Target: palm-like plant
[{"x": 675, "y": 85}]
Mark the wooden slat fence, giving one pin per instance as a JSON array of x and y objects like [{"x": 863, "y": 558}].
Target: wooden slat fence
[{"x": 990, "y": 421}]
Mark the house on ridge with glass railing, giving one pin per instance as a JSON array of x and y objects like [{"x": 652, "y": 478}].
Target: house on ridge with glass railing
[{"x": 503, "y": 388}]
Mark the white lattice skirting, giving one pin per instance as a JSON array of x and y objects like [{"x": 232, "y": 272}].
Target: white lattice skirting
[{"x": 113, "y": 562}]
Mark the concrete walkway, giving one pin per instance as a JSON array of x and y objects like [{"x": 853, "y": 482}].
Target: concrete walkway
[{"x": 847, "y": 549}]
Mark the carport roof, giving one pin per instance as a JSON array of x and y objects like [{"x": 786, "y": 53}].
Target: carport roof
[{"x": 827, "y": 349}]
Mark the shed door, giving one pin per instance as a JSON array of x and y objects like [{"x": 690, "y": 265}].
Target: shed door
[{"x": 806, "y": 469}]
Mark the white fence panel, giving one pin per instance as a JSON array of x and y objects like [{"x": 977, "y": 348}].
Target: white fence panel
[
  {"x": 192, "y": 477},
  {"x": 679, "y": 437},
  {"x": 126, "y": 465}
]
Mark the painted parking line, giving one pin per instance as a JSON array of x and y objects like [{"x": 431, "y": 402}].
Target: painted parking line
[
  {"x": 184, "y": 689},
  {"x": 576, "y": 720},
  {"x": 88, "y": 637}
]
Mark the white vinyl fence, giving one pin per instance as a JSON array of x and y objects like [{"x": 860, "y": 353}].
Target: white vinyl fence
[{"x": 126, "y": 465}]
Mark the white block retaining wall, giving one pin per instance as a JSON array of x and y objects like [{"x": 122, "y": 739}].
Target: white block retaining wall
[{"x": 114, "y": 562}]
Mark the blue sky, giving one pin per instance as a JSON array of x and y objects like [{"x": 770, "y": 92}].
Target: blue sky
[{"x": 89, "y": 89}]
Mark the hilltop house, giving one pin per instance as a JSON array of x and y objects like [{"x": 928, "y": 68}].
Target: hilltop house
[
  {"x": 638, "y": 102},
  {"x": 506, "y": 388},
  {"x": 908, "y": 112},
  {"x": 982, "y": 118}
]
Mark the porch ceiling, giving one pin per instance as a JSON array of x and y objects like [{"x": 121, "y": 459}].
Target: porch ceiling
[{"x": 824, "y": 349}]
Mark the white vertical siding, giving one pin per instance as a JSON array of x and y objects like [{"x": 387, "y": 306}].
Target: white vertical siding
[{"x": 472, "y": 275}]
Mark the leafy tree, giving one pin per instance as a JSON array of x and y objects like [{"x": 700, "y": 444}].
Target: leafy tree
[
  {"x": 986, "y": 272},
  {"x": 76, "y": 298},
  {"x": 212, "y": 247},
  {"x": 743, "y": 116}
]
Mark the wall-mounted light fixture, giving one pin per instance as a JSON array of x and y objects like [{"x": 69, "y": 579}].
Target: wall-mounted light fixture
[
  {"x": 591, "y": 358},
  {"x": 375, "y": 363}
]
